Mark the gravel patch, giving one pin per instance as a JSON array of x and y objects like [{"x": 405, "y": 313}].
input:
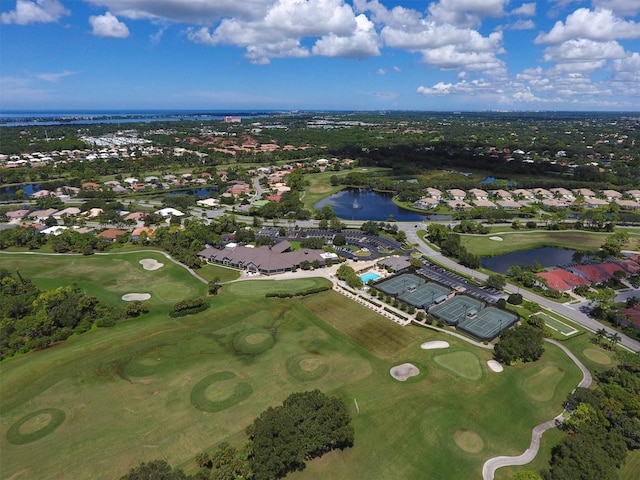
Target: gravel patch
[
  {"x": 404, "y": 371},
  {"x": 150, "y": 264},
  {"x": 131, "y": 297}
]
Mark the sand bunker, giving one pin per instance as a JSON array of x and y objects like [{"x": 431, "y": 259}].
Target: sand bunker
[
  {"x": 433, "y": 345},
  {"x": 496, "y": 239},
  {"x": 404, "y": 371},
  {"x": 495, "y": 366},
  {"x": 150, "y": 264},
  {"x": 130, "y": 297}
]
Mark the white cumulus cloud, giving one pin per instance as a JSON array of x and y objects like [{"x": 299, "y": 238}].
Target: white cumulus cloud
[
  {"x": 526, "y": 9},
  {"x": 108, "y": 25},
  {"x": 620, "y": 7},
  {"x": 189, "y": 11},
  {"x": 331, "y": 27},
  {"x": 599, "y": 25},
  {"x": 40, "y": 11}
]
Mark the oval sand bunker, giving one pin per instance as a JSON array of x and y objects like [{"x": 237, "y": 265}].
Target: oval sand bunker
[
  {"x": 433, "y": 345},
  {"x": 404, "y": 371},
  {"x": 496, "y": 239},
  {"x": 150, "y": 264},
  {"x": 495, "y": 366},
  {"x": 131, "y": 297}
]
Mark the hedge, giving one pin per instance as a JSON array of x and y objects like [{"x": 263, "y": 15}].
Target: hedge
[{"x": 301, "y": 293}]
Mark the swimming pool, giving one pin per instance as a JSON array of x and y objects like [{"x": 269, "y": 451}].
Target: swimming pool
[{"x": 369, "y": 277}]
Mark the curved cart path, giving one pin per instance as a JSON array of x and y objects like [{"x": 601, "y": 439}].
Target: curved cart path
[{"x": 490, "y": 466}]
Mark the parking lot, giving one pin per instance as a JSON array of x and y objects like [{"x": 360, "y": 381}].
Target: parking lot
[{"x": 456, "y": 282}]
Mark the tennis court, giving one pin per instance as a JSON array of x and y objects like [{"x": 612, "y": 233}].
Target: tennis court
[
  {"x": 488, "y": 323},
  {"x": 400, "y": 284},
  {"x": 557, "y": 325},
  {"x": 426, "y": 295},
  {"x": 457, "y": 309}
]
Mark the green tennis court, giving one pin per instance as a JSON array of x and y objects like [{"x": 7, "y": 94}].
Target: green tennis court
[
  {"x": 425, "y": 295},
  {"x": 400, "y": 284},
  {"x": 557, "y": 325},
  {"x": 488, "y": 323},
  {"x": 456, "y": 310}
]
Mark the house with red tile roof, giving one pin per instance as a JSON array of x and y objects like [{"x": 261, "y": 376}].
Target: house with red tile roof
[
  {"x": 562, "y": 280},
  {"x": 593, "y": 273},
  {"x": 631, "y": 317},
  {"x": 111, "y": 234}
]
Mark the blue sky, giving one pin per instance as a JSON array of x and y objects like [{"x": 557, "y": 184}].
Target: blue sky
[{"x": 320, "y": 54}]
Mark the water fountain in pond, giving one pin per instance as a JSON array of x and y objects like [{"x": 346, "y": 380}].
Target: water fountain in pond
[{"x": 356, "y": 205}]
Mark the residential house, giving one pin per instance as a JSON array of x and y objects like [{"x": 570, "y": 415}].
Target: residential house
[
  {"x": 457, "y": 194},
  {"x": 169, "y": 212},
  {"x": 111, "y": 234},
  {"x": 627, "y": 204},
  {"x": 479, "y": 194},
  {"x": 585, "y": 192},
  {"x": 508, "y": 204},
  {"x": 611, "y": 195},
  {"x": 434, "y": 193}
]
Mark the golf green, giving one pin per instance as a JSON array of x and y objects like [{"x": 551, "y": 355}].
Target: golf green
[
  {"x": 217, "y": 392},
  {"x": 35, "y": 426},
  {"x": 462, "y": 363},
  {"x": 541, "y": 385}
]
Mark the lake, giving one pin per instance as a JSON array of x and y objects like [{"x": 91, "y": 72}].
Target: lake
[
  {"x": 546, "y": 256},
  {"x": 365, "y": 204}
]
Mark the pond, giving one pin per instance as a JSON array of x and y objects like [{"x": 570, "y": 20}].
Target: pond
[
  {"x": 365, "y": 204},
  {"x": 196, "y": 192},
  {"x": 546, "y": 256},
  {"x": 9, "y": 192}
]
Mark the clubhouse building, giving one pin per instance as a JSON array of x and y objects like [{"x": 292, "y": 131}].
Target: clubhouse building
[{"x": 265, "y": 259}]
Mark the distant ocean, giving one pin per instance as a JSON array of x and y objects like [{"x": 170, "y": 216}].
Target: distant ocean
[{"x": 13, "y": 118}]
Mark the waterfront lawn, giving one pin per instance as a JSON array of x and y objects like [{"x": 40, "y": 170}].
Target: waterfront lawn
[
  {"x": 513, "y": 241},
  {"x": 158, "y": 387},
  {"x": 320, "y": 184}
]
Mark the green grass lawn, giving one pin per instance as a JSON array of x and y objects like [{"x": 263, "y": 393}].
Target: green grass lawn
[
  {"x": 512, "y": 241},
  {"x": 209, "y": 272},
  {"x": 158, "y": 387},
  {"x": 320, "y": 185}
]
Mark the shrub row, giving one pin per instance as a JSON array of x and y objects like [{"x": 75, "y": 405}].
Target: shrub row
[
  {"x": 372, "y": 302},
  {"x": 302, "y": 293},
  {"x": 393, "y": 312},
  {"x": 189, "y": 311},
  {"x": 188, "y": 306}
]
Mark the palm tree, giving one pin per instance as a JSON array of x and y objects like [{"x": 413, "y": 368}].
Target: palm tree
[
  {"x": 601, "y": 334},
  {"x": 614, "y": 339}
]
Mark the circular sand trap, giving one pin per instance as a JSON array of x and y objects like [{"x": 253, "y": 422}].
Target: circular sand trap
[
  {"x": 495, "y": 366},
  {"x": 434, "y": 345},
  {"x": 597, "y": 356},
  {"x": 468, "y": 440},
  {"x": 496, "y": 239},
  {"x": 150, "y": 264},
  {"x": 404, "y": 371},
  {"x": 131, "y": 297}
]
